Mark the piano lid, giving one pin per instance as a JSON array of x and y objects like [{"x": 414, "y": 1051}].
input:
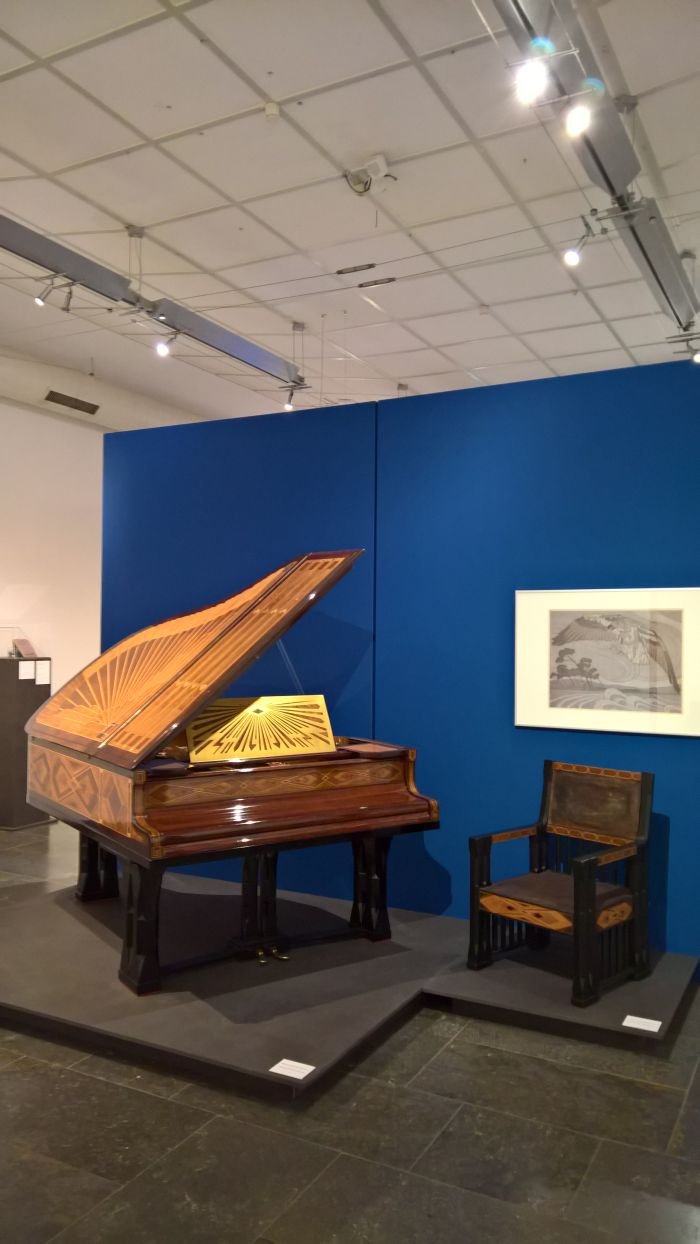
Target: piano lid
[{"x": 127, "y": 701}]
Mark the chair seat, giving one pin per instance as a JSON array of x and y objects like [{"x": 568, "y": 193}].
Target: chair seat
[{"x": 555, "y": 890}]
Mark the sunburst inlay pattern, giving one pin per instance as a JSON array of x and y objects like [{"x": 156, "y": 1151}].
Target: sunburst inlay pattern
[{"x": 269, "y": 726}]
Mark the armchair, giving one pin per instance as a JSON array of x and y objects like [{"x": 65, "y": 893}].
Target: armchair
[{"x": 596, "y": 896}]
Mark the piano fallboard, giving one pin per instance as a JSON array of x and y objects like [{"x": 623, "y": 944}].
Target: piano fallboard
[{"x": 171, "y": 810}]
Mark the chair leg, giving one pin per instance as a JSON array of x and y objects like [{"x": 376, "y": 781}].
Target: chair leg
[
  {"x": 537, "y": 939},
  {"x": 641, "y": 965},
  {"x": 480, "y": 953},
  {"x": 586, "y": 987}
]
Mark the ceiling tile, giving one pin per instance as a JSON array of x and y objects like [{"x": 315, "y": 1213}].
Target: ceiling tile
[
  {"x": 194, "y": 286},
  {"x": 51, "y": 208},
  {"x": 220, "y": 239},
  {"x": 581, "y": 340},
  {"x": 272, "y": 271},
  {"x": 142, "y": 187},
  {"x": 442, "y": 382},
  {"x": 510, "y": 373},
  {"x": 444, "y": 184},
  {"x": 484, "y": 235},
  {"x": 641, "y": 330},
  {"x": 422, "y": 295},
  {"x": 252, "y": 321},
  {"x": 54, "y": 125},
  {"x": 654, "y": 43},
  {"x": 628, "y": 299},
  {"x": 344, "y": 308},
  {"x": 458, "y": 326},
  {"x": 119, "y": 252},
  {"x": 252, "y": 155},
  {"x": 682, "y": 178},
  {"x": 395, "y": 113},
  {"x": 376, "y": 339},
  {"x": 322, "y": 215},
  {"x": 12, "y": 168},
  {"x": 553, "y": 311},
  {"x": 604, "y": 360},
  {"x": 283, "y": 291},
  {"x": 184, "y": 83},
  {"x": 560, "y": 215},
  {"x": 473, "y": 354},
  {"x": 412, "y": 363},
  {"x": 664, "y": 113},
  {"x": 658, "y": 354},
  {"x": 605, "y": 263},
  {"x": 289, "y": 48},
  {"x": 442, "y": 23},
  {"x": 395, "y": 254},
  {"x": 524, "y": 277},
  {"x": 46, "y": 26},
  {"x": 479, "y": 83},
  {"x": 10, "y": 57},
  {"x": 530, "y": 163}
]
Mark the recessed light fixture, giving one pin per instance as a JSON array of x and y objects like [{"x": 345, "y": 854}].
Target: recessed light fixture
[
  {"x": 380, "y": 280},
  {"x": 572, "y": 257},
  {"x": 531, "y": 81},
  {"x": 578, "y": 120}
]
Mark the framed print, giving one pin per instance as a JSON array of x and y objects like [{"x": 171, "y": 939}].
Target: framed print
[{"x": 616, "y": 659}]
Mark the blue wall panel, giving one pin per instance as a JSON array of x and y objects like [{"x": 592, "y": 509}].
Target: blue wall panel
[
  {"x": 589, "y": 481},
  {"x": 194, "y": 513}
]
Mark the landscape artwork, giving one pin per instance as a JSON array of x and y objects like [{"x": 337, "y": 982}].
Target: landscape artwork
[{"x": 628, "y": 661}]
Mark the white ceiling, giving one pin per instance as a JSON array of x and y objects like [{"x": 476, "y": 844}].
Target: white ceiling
[{"x": 151, "y": 113}]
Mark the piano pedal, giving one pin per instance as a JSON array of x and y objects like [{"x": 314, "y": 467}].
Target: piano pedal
[
  {"x": 279, "y": 954},
  {"x": 261, "y": 956}
]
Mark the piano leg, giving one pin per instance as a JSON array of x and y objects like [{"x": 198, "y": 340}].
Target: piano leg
[
  {"x": 140, "y": 966},
  {"x": 250, "y": 923},
  {"x": 268, "y": 897},
  {"x": 98, "y": 872},
  {"x": 369, "y": 911}
]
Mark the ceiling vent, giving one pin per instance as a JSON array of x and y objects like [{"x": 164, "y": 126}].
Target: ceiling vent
[{"x": 73, "y": 403}]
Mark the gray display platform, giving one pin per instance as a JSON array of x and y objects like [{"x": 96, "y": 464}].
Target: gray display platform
[{"x": 236, "y": 1019}]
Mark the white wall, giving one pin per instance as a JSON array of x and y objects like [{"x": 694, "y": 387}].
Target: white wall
[{"x": 50, "y": 534}]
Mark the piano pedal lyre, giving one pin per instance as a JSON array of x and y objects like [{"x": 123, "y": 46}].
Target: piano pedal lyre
[
  {"x": 265, "y": 953},
  {"x": 279, "y": 954}
]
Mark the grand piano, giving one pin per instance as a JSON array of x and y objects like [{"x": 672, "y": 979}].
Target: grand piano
[{"x": 108, "y": 755}]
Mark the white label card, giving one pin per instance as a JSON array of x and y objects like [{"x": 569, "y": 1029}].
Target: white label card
[
  {"x": 26, "y": 671},
  {"x": 296, "y": 1071},
  {"x": 43, "y": 673},
  {"x": 638, "y": 1021}
]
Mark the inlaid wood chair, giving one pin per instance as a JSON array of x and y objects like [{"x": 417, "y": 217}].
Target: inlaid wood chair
[{"x": 596, "y": 896}]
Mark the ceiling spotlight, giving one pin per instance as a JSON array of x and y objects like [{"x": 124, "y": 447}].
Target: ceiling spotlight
[
  {"x": 40, "y": 299},
  {"x": 531, "y": 81},
  {"x": 696, "y": 356},
  {"x": 162, "y": 349},
  {"x": 578, "y": 120},
  {"x": 289, "y": 404},
  {"x": 68, "y": 299},
  {"x": 572, "y": 257}
]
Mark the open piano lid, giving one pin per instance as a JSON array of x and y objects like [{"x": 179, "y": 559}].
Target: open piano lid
[{"x": 123, "y": 705}]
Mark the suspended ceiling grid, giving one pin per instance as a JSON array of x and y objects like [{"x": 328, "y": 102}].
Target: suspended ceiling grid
[{"x": 151, "y": 113}]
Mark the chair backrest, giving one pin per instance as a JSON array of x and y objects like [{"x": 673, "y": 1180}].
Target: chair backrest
[{"x": 600, "y": 805}]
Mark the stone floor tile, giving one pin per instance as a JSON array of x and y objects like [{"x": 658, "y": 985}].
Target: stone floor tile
[
  {"x": 8, "y": 879},
  {"x": 511, "y": 1159},
  {"x": 664, "y": 1062},
  {"x": 647, "y": 1198},
  {"x": 355, "y": 1202},
  {"x": 221, "y": 1186},
  {"x": 132, "y": 1075},
  {"x": 685, "y": 1142},
  {"x": 533, "y": 1088},
  {"x": 88, "y": 1123},
  {"x": 401, "y": 1055},
  {"x": 382, "y": 1122},
  {"x": 45, "y": 1049},
  {"x": 40, "y": 1196}
]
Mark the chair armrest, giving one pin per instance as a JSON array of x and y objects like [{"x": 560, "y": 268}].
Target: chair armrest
[
  {"x": 601, "y": 858},
  {"x": 505, "y": 835}
]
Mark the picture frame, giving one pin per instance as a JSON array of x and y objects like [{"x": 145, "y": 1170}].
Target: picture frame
[{"x": 612, "y": 659}]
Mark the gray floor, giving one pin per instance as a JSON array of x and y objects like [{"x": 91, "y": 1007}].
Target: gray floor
[{"x": 451, "y": 1129}]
